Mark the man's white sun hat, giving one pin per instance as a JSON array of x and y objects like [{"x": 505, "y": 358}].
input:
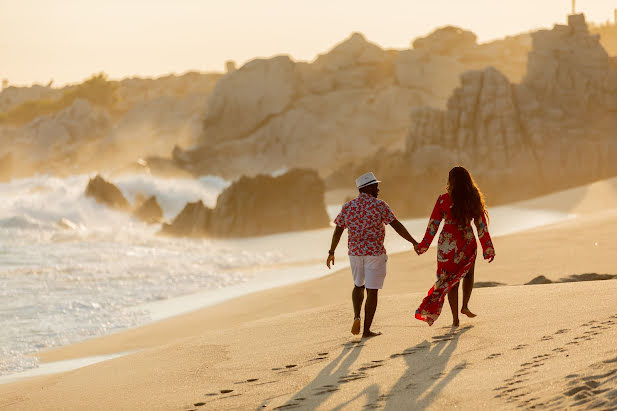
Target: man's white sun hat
[{"x": 366, "y": 180}]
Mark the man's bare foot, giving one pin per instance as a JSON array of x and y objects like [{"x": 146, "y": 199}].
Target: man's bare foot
[
  {"x": 355, "y": 328},
  {"x": 370, "y": 334},
  {"x": 467, "y": 312},
  {"x": 455, "y": 323}
]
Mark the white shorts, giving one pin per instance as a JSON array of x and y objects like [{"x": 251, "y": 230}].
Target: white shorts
[{"x": 368, "y": 270}]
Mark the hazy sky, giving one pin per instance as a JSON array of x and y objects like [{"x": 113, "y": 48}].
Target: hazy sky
[{"x": 68, "y": 40}]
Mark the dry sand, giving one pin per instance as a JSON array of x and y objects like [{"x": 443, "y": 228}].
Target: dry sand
[{"x": 531, "y": 345}]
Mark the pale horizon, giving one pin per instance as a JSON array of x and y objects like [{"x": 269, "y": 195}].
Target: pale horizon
[{"x": 70, "y": 40}]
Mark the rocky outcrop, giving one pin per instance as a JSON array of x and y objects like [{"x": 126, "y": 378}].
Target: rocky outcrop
[
  {"x": 148, "y": 117},
  {"x": 247, "y": 97},
  {"x": 149, "y": 211},
  {"x": 350, "y": 102},
  {"x": 106, "y": 193},
  {"x": 555, "y": 130},
  {"x": 257, "y": 206}
]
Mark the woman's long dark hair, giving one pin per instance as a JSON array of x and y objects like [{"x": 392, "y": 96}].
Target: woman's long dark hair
[{"x": 467, "y": 199}]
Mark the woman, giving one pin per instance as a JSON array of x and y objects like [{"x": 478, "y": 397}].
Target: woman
[{"x": 456, "y": 253}]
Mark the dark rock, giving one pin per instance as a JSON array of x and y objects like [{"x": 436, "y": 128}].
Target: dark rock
[
  {"x": 587, "y": 277},
  {"x": 484, "y": 284},
  {"x": 191, "y": 222},
  {"x": 149, "y": 212},
  {"x": 106, "y": 193},
  {"x": 539, "y": 280},
  {"x": 260, "y": 205},
  {"x": 264, "y": 205}
]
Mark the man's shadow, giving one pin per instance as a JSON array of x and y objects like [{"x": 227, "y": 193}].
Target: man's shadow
[
  {"x": 425, "y": 376},
  {"x": 328, "y": 379}
]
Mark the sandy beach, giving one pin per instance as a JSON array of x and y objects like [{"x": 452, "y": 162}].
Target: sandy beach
[{"x": 548, "y": 345}]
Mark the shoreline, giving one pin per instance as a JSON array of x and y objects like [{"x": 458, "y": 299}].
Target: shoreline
[{"x": 190, "y": 306}]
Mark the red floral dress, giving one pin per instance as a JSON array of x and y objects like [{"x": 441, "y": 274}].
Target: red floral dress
[{"x": 456, "y": 254}]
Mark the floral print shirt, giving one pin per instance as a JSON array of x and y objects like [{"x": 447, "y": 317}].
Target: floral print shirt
[{"x": 365, "y": 218}]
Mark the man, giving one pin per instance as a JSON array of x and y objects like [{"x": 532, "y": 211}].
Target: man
[{"x": 365, "y": 218}]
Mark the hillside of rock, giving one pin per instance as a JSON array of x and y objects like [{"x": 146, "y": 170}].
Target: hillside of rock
[
  {"x": 554, "y": 130},
  {"x": 349, "y": 102},
  {"x": 141, "y": 118}
]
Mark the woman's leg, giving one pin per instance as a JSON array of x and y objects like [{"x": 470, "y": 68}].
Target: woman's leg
[
  {"x": 453, "y": 300},
  {"x": 467, "y": 289}
]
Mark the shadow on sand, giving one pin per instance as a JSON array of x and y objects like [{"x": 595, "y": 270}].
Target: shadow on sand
[
  {"x": 416, "y": 389},
  {"x": 328, "y": 379}
]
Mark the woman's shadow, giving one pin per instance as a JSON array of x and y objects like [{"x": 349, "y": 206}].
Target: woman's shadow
[
  {"x": 425, "y": 376},
  {"x": 416, "y": 389}
]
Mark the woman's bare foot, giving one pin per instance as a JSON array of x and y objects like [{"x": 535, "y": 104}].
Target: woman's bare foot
[
  {"x": 468, "y": 313},
  {"x": 370, "y": 334},
  {"x": 355, "y": 328}
]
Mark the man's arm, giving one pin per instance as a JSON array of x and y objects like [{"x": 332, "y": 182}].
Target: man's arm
[
  {"x": 336, "y": 237},
  {"x": 402, "y": 231}
]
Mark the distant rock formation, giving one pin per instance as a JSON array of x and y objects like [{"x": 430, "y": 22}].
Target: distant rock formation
[
  {"x": 13, "y": 96},
  {"x": 149, "y": 117},
  {"x": 350, "y": 102},
  {"x": 257, "y": 206},
  {"x": 555, "y": 130},
  {"x": 106, "y": 193},
  {"x": 149, "y": 211}
]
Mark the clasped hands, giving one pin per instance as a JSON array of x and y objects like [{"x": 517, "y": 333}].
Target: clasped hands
[{"x": 416, "y": 248}]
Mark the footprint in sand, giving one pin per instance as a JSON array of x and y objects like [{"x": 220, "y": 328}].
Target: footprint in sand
[
  {"x": 291, "y": 366},
  {"x": 352, "y": 377},
  {"x": 546, "y": 338},
  {"x": 562, "y": 331},
  {"x": 326, "y": 389},
  {"x": 495, "y": 355},
  {"x": 369, "y": 366},
  {"x": 520, "y": 347},
  {"x": 226, "y": 391}
]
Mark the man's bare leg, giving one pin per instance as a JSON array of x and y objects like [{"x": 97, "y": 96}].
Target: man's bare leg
[
  {"x": 453, "y": 300},
  {"x": 369, "y": 312},
  {"x": 467, "y": 289},
  {"x": 357, "y": 296}
]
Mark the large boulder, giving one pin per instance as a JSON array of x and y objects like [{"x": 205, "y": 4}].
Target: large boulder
[
  {"x": 264, "y": 205},
  {"x": 256, "y": 206},
  {"x": 245, "y": 98},
  {"x": 106, "y": 193}
]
